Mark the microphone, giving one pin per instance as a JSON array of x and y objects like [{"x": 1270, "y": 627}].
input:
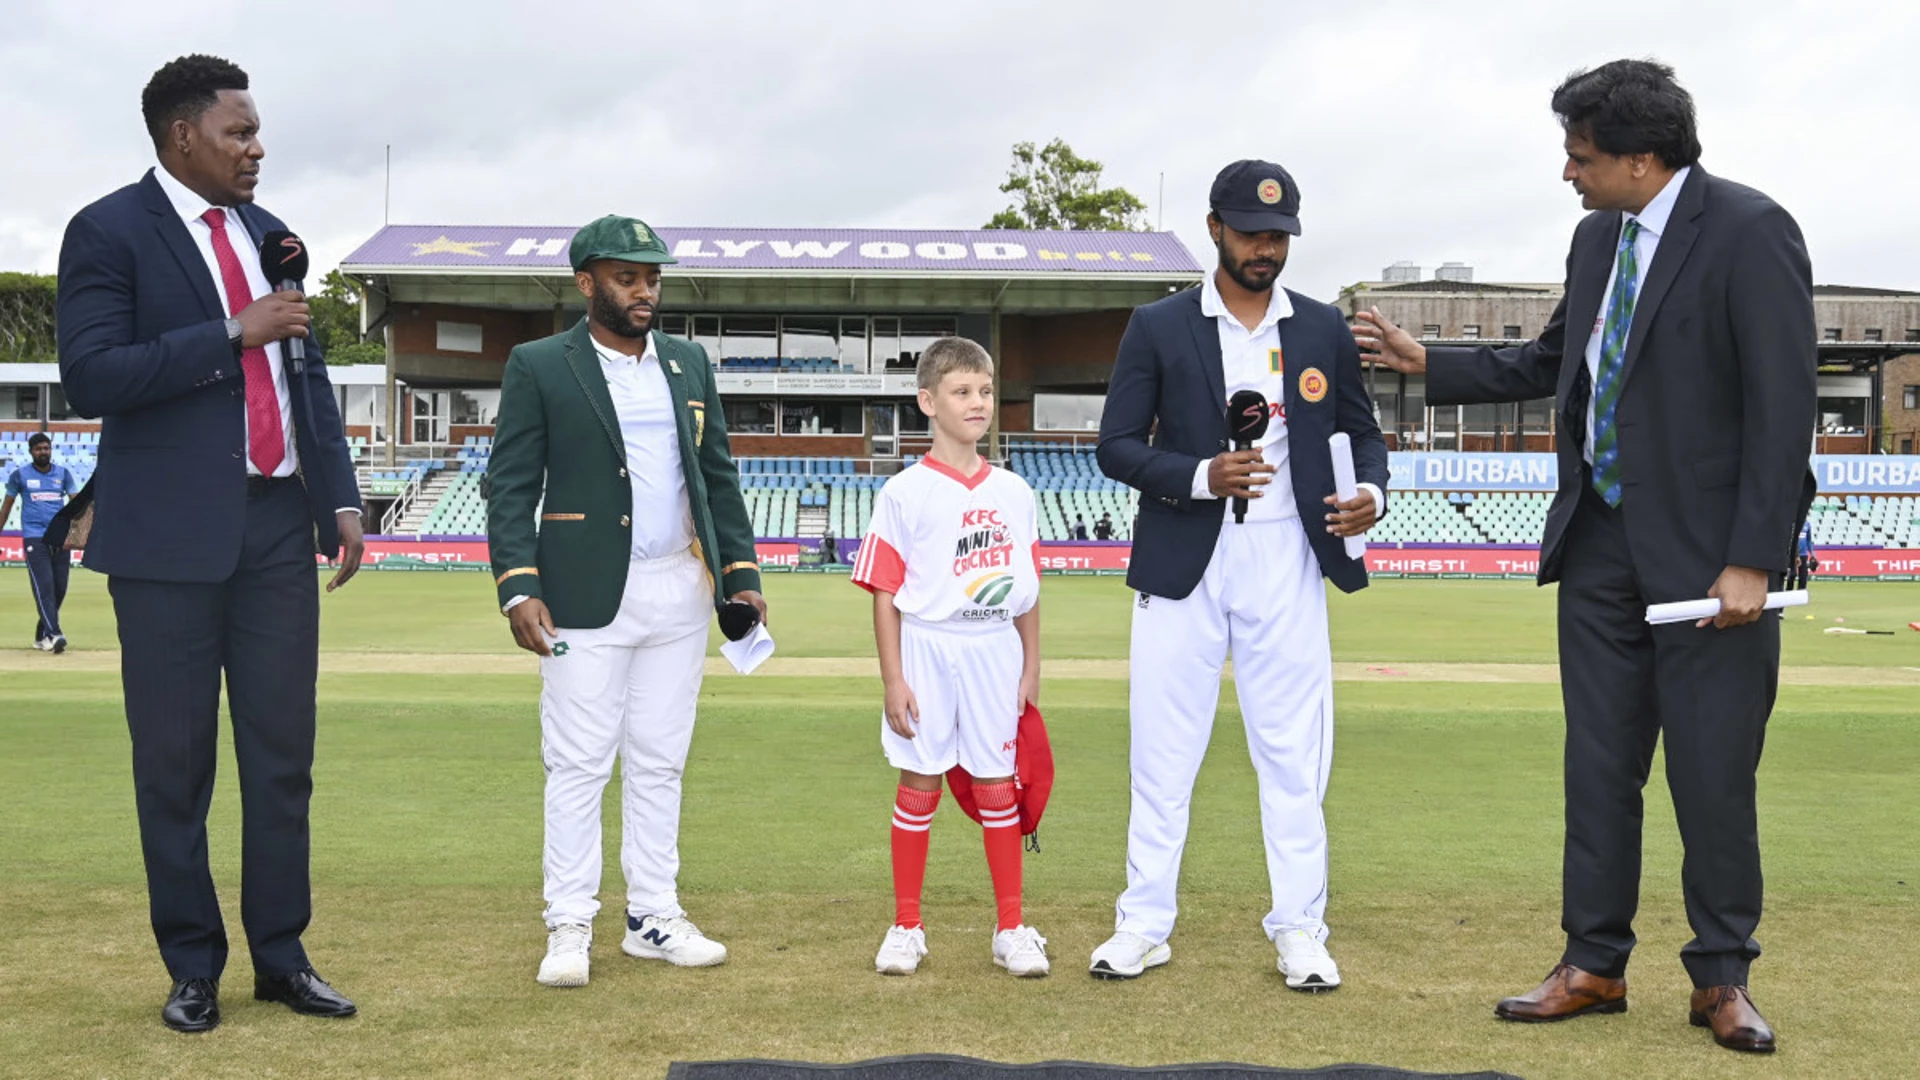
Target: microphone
[
  {"x": 1247, "y": 417},
  {"x": 738, "y": 618},
  {"x": 284, "y": 258}
]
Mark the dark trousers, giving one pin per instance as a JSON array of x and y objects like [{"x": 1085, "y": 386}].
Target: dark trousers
[
  {"x": 47, "y": 572},
  {"x": 1625, "y": 685},
  {"x": 261, "y": 627}
]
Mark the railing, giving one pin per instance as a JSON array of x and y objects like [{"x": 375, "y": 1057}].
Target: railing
[{"x": 390, "y": 522}]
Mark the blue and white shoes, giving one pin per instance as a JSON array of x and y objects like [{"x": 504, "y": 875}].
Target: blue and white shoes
[{"x": 674, "y": 939}]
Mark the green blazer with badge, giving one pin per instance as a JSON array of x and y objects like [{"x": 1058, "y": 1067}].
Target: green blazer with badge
[{"x": 557, "y": 437}]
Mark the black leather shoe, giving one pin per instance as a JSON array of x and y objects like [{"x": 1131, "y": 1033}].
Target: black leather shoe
[
  {"x": 305, "y": 992},
  {"x": 194, "y": 1005}
]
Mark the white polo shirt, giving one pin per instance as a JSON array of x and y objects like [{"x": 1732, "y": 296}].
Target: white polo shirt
[{"x": 643, "y": 405}]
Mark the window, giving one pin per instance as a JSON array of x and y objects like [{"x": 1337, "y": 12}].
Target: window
[
  {"x": 1470, "y": 330},
  {"x": 19, "y": 403},
  {"x": 1511, "y": 331},
  {"x": 430, "y": 417},
  {"x": 1067, "y": 412},
  {"x": 1430, "y": 330},
  {"x": 1872, "y": 334},
  {"x": 1485, "y": 419},
  {"x": 1906, "y": 444},
  {"x": 675, "y": 325},
  {"x": 1843, "y": 414},
  {"x": 456, "y": 336},
  {"x": 1831, "y": 333},
  {"x": 912, "y": 420},
  {"x": 886, "y": 344},
  {"x": 1910, "y": 397},
  {"x": 57, "y": 407},
  {"x": 749, "y": 335},
  {"x": 917, "y": 334},
  {"x": 853, "y": 344},
  {"x": 475, "y": 406},
  {"x": 809, "y": 336},
  {"x": 749, "y": 416},
  {"x": 1536, "y": 416},
  {"x": 1913, "y": 335},
  {"x": 821, "y": 417},
  {"x": 706, "y": 334}
]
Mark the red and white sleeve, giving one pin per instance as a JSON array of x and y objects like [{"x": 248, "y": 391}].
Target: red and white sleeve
[{"x": 879, "y": 566}]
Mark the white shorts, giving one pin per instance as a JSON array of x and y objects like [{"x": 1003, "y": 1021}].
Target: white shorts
[{"x": 967, "y": 685}]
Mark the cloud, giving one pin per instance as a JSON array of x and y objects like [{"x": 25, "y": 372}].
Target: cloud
[{"x": 1415, "y": 130}]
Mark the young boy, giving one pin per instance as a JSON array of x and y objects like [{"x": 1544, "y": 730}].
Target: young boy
[{"x": 952, "y": 560}]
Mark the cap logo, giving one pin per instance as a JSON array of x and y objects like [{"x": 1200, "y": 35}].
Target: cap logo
[
  {"x": 1313, "y": 385},
  {"x": 1270, "y": 191},
  {"x": 643, "y": 234}
]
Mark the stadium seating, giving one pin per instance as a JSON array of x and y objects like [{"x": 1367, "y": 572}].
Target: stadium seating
[
  {"x": 1067, "y": 483},
  {"x": 1866, "y": 521},
  {"x": 777, "y": 489}
]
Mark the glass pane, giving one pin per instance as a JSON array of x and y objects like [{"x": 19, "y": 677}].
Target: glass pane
[
  {"x": 917, "y": 334},
  {"x": 880, "y": 421},
  {"x": 675, "y": 325},
  {"x": 57, "y": 408},
  {"x": 706, "y": 334},
  {"x": 749, "y": 416},
  {"x": 820, "y": 417},
  {"x": 808, "y": 336},
  {"x": 749, "y": 335},
  {"x": 1067, "y": 412},
  {"x": 475, "y": 406},
  {"x": 853, "y": 344},
  {"x": 886, "y": 345},
  {"x": 912, "y": 420}
]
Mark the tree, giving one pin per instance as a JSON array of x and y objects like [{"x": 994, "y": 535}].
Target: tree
[
  {"x": 336, "y": 322},
  {"x": 1054, "y": 188},
  {"x": 26, "y": 318}
]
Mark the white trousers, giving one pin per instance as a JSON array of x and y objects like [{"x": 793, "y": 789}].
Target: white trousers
[
  {"x": 627, "y": 688},
  {"x": 1262, "y": 601}
]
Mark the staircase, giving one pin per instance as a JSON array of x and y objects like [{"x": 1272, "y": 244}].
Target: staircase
[
  {"x": 422, "y": 508},
  {"x": 812, "y": 523}
]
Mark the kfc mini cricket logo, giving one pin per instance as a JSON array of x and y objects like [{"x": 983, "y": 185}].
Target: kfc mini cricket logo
[{"x": 1313, "y": 384}]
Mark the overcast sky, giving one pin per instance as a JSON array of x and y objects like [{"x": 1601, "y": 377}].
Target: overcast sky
[{"x": 1415, "y": 130}]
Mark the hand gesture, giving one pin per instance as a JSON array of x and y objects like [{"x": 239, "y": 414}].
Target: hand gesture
[
  {"x": 1379, "y": 339},
  {"x": 532, "y": 626}
]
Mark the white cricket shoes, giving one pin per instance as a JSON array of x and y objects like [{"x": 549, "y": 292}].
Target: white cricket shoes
[
  {"x": 566, "y": 962},
  {"x": 44, "y": 644},
  {"x": 674, "y": 939},
  {"x": 902, "y": 951},
  {"x": 1125, "y": 955},
  {"x": 1305, "y": 962},
  {"x": 1022, "y": 951},
  {"x": 57, "y": 643}
]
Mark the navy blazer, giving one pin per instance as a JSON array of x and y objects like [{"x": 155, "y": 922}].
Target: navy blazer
[
  {"x": 1166, "y": 412},
  {"x": 143, "y": 346}
]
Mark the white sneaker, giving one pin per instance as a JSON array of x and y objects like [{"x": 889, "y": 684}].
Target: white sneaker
[
  {"x": 566, "y": 962},
  {"x": 1305, "y": 962},
  {"x": 43, "y": 644},
  {"x": 675, "y": 940},
  {"x": 1126, "y": 955},
  {"x": 57, "y": 643},
  {"x": 900, "y": 954},
  {"x": 1022, "y": 951}
]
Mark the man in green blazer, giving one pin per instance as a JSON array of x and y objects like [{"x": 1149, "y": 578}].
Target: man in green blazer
[{"x": 612, "y": 434}]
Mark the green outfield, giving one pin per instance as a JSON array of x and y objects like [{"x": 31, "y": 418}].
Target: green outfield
[{"x": 1444, "y": 813}]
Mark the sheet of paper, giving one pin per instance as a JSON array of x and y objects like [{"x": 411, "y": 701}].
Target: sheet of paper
[
  {"x": 1694, "y": 610},
  {"x": 1345, "y": 486},
  {"x": 750, "y": 651}
]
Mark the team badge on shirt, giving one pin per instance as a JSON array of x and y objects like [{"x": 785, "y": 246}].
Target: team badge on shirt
[{"x": 1313, "y": 384}]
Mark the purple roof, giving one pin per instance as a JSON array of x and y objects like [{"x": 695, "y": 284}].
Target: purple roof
[{"x": 532, "y": 247}]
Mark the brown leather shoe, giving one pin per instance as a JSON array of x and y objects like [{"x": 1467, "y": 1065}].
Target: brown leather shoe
[
  {"x": 1568, "y": 992},
  {"x": 1736, "y": 1023}
]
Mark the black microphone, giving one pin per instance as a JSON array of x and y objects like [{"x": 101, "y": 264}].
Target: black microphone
[
  {"x": 284, "y": 258},
  {"x": 1247, "y": 417},
  {"x": 738, "y": 618}
]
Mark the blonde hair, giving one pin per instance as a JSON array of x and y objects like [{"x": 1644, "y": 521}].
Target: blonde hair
[{"x": 947, "y": 355}]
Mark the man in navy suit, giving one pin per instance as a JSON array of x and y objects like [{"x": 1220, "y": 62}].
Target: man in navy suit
[
  {"x": 1209, "y": 587},
  {"x": 223, "y": 469}
]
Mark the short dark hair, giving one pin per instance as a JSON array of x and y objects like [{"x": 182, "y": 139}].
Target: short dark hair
[
  {"x": 184, "y": 89},
  {"x": 1631, "y": 107},
  {"x": 37, "y": 438}
]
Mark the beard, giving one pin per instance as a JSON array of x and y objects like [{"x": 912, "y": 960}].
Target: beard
[
  {"x": 1253, "y": 275},
  {"x": 611, "y": 315}
]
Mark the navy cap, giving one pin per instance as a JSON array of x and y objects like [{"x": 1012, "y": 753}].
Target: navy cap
[{"x": 1256, "y": 196}]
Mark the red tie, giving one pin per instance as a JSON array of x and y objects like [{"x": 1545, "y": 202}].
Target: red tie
[{"x": 266, "y": 440}]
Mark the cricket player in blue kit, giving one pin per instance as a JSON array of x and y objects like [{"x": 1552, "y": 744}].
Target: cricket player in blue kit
[{"x": 44, "y": 488}]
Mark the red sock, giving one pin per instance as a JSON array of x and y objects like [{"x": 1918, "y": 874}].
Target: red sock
[
  {"x": 1002, "y": 834},
  {"x": 912, "y": 817}
]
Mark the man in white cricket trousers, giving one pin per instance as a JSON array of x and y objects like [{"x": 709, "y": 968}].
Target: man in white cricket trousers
[
  {"x": 614, "y": 432},
  {"x": 1211, "y": 587}
]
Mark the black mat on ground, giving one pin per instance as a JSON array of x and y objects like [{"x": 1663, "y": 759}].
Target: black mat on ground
[{"x": 950, "y": 1067}]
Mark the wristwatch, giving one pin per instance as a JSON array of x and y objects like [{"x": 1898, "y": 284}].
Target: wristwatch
[{"x": 236, "y": 336}]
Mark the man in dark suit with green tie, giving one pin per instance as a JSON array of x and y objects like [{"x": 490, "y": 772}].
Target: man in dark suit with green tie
[{"x": 612, "y": 434}]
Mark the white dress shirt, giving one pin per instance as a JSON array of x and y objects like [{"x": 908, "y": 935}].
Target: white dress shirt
[
  {"x": 643, "y": 406},
  {"x": 1252, "y": 360},
  {"x": 191, "y": 207},
  {"x": 1653, "y": 221}
]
